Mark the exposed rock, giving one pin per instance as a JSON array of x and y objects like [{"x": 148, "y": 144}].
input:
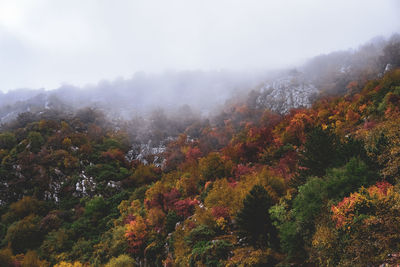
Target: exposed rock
[{"x": 287, "y": 92}]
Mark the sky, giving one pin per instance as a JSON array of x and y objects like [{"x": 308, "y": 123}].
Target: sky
[{"x": 47, "y": 43}]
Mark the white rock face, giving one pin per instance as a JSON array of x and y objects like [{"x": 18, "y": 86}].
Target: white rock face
[
  {"x": 146, "y": 151},
  {"x": 287, "y": 92},
  {"x": 85, "y": 185}
]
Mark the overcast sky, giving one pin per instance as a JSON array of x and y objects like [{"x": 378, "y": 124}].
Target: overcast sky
[{"x": 44, "y": 43}]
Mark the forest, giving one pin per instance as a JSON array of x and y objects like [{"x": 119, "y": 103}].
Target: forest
[{"x": 317, "y": 186}]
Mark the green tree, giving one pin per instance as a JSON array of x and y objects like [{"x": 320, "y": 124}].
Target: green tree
[
  {"x": 340, "y": 182},
  {"x": 320, "y": 152},
  {"x": 36, "y": 141},
  {"x": 7, "y": 140},
  {"x": 253, "y": 219},
  {"x": 24, "y": 234}
]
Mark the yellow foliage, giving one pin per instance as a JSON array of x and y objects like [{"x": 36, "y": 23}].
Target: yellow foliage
[
  {"x": 66, "y": 143},
  {"x": 203, "y": 216},
  {"x": 65, "y": 127},
  {"x": 31, "y": 259},
  {"x": 158, "y": 187},
  {"x": 389, "y": 154},
  {"x": 324, "y": 245},
  {"x": 222, "y": 223},
  {"x": 68, "y": 264},
  {"x": 181, "y": 249},
  {"x": 275, "y": 185},
  {"x": 6, "y": 257},
  {"x": 23, "y": 207},
  {"x": 124, "y": 206},
  {"x": 138, "y": 226},
  {"x": 70, "y": 162},
  {"x": 187, "y": 184},
  {"x": 121, "y": 261},
  {"x": 155, "y": 217},
  {"x": 223, "y": 194},
  {"x": 323, "y": 237},
  {"x": 323, "y": 115}
]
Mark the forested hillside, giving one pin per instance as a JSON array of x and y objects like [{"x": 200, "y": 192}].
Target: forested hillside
[
  {"x": 199, "y": 133},
  {"x": 315, "y": 187}
]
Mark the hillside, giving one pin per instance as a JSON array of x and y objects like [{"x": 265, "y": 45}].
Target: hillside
[{"x": 317, "y": 186}]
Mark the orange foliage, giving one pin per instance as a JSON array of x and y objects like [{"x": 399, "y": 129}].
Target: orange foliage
[{"x": 135, "y": 233}]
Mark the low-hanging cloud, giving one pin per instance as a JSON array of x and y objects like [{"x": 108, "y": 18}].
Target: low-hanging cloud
[{"x": 45, "y": 43}]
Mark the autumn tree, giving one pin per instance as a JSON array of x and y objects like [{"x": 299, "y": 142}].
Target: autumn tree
[
  {"x": 213, "y": 167},
  {"x": 367, "y": 225}
]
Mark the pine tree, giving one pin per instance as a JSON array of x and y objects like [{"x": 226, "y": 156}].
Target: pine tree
[
  {"x": 253, "y": 219},
  {"x": 320, "y": 152}
]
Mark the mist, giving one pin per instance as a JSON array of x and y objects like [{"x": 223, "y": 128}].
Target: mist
[{"x": 45, "y": 44}]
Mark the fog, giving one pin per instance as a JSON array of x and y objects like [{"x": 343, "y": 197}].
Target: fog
[{"x": 45, "y": 44}]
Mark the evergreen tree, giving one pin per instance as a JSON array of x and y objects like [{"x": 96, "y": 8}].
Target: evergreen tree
[
  {"x": 253, "y": 219},
  {"x": 320, "y": 152}
]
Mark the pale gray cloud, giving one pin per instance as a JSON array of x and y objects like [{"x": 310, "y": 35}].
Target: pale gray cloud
[{"x": 44, "y": 43}]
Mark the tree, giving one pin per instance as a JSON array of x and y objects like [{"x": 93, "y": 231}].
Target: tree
[
  {"x": 7, "y": 140},
  {"x": 383, "y": 146},
  {"x": 253, "y": 219},
  {"x": 36, "y": 141},
  {"x": 6, "y": 257},
  {"x": 320, "y": 152},
  {"x": 24, "y": 234},
  {"x": 31, "y": 259},
  {"x": 340, "y": 182},
  {"x": 367, "y": 225},
  {"x": 213, "y": 167},
  {"x": 121, "y": 261},
  {"x": 136, "y": 232}
]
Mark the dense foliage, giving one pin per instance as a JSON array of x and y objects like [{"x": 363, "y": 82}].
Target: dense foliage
[{"x": 318, "y": 186}]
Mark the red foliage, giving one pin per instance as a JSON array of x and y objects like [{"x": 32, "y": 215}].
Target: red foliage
[
  {"x": 241, "y": 170},
  {"x": 135, "y": 233},
  {"x": 369, "y": 125},
  {"x": 170, "y": 198},
  {"x": 185, "y": 207},
  {"x": 300, "y": 121},
  {"x": 378, "y": 88},
  {"x": 287, "y": 165},
  {"x": 232, "y": 182},
  {"x": 345, "y": 211},
  {"x": 156, "y": 201},
  {"x": 114, "y": 154},
  {"x": 219, "y": 212},
  {"x": 193, "y": 153},
  {"x": 383, "y": 187}
]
